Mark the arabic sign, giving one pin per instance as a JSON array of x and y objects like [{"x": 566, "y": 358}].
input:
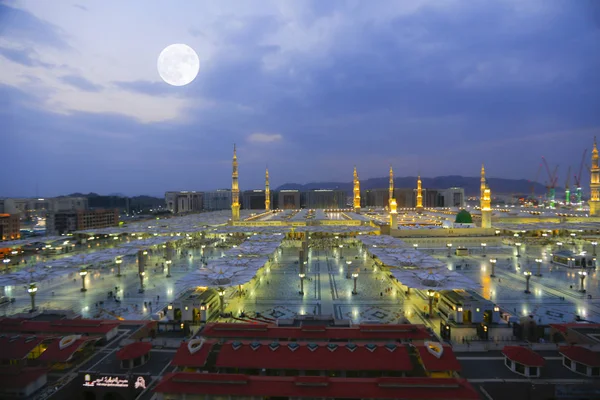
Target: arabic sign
[{"x": 114, "y": 381}]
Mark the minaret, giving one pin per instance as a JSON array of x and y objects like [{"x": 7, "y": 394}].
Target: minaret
[
  {"x": 392, "y": 203},
  {"x": 267, "y": 192},
  {"x": 594, "y": 201},
  {"x": 419, "y": 195},
  {"x": 483, "y": 182},
  {"x": 235, "y": 190},
  {"x": 486, "y": 208},
  {"x": 356, "y": 192}
]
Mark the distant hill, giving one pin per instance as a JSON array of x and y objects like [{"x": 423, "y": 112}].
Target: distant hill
[
  {"x": 135, "y": 203},
  {"x": 470, "y": 184}
]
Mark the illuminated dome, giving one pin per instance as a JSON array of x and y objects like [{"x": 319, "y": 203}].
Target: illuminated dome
[{"x": 463, "y": 217}]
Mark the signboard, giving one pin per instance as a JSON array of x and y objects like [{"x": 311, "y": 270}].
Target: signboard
[{"x": 133, "y": 384}]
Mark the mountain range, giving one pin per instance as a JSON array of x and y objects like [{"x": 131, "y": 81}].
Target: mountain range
[{"x": 470, "y": 184}]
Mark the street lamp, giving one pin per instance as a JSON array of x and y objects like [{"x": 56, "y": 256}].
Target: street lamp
[
  {"x": 302, "y": 283},
  {"x": 539, "y": 266},
  {"x": 222, "y": 300},
  {"x": 493, "y": 262},
  {"x": 430, "y": 294},
  {"x": 416, "y": 245},
  {"x": 559, "y": 244},
  {"x": 527, "y": 278},
  {"x": 483, "y": 245},
  {"x": 32, "y": 290},
  {"x": 341, "y": 254},
  {"x": 518, "y": 246},
  {"x": 168, "y": 262},
  {"x": 118, "y": 261},
  {"x": 355, "y": 276},
  {"x": 142, "y": 273},
  {"x": 497, "y": 232},
  {"x": 582, "y": 275},
  {"x": 348, "y": 263},
  {"x": 594, "y": 244},
  {"x": 83, "y": 273},
  {"x": 449, "y": 246}
]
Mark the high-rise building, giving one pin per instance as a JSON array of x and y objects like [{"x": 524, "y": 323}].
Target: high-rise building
[
  {"x": 452, "y": 197},
  {"x": 184, "y": 202},
  {"x": 324, "y": 198},
  {"x": 58, "y": 223},
  {"x": 288, "y": 199},
  {"x": 219, "y": 199},
  {"x": 10, "y": 227},
  {"x": 253, "y": 199},
  {"x": 595, "y": 183}
]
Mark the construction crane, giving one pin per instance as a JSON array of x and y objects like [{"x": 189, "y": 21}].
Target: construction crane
[
  {"x": 568, "y": 188},
  {"x": 551, "y": 184},
  {"x": 534, "y": 182},
  {"x": 578, "y": 200}
]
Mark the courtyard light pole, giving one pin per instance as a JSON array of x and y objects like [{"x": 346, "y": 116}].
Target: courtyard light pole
[
  {"x": 168, "y": 262},
  {"x": 341, "y": 251},
  {"x": 301, "y": 275},
  {"x": 518, "y": 246},
  {"x": 493, "y": 263},
  {"x": 355, "y": 276},
  {"x": 430, "y": 294},
  {"x": 483, "y": 245},
  {"x": 32, "y": 290},
  {"x": 527, "y": 278},
  {"x": 582, "y": 275},
  {"x": 539, "y": 266},
  {"x": 141, "y": 290},
  {"x": 594, "y": 244},
  {"x": 416, "y": 246},
  {"x": 222, "y": 300},
  {"x": 118, "y": 261},
  {"x": 449, "y": 246},
  {"x": 348, "y": 263},
  {"x": 559, "y": 244},
  {"x": 83, "y": 273}
]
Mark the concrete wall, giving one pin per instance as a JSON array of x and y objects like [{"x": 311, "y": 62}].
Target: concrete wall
[{"x": 455, "y": 232}]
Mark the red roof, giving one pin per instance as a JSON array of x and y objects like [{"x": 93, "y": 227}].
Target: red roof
[
  {"x": 581, "y": 355},
  {"x": 18, "y": 378},
  {"x": 61, "y": 326},
  {"x": 16, "y": 347},
  {"x": 183, "y": 357},
  {"x": 523, "y": 355},
  {"x": 447, "y": 362},
  {"x": 312, "y": 356},
  {"x": 134, "y": 350},
  {"x": 369, "y": 332},
  {"x": 316, "y": 387},
  {"x": 54, "y": 353}
]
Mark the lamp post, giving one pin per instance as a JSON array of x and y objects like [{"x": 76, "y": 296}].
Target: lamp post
[
  {"x": 416, "y": 246},
  {"x": 142, "y": 273},
  {"x": 497, "y": 232},
  {"x": 83, "y": 273},
  {"x": 449, "y": 246},
  {"x": 594, "y": 244},
  {"x": 348, "y": 263},
  {"x": 582, "y": 275},
  {"x": 222, "y": 300},
  {"x": 527, "y": 278},
  {"x": 6, "y": 261},
  {"x": 559, "y": 244},
  {"x": 539, "y": 266},
  {"x": 341, "y": 253},
  {"x": 518, "y": 246},
  {"x": 118, "y": 261},
  {"x": 168, "y": 262},
  {"x": 483, "y": 245},
  {"x": 355, "y": 276},
  {"x": 573, "y": 238},
  {"x": 32, "y": 291},
  {"x": 301, "y": 275},
  {"x": 493, "y": 263},
  {"x": 430, "y": 294}
]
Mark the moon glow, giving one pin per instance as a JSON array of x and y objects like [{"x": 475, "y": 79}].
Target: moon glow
[{"x": 178, "y": 64}]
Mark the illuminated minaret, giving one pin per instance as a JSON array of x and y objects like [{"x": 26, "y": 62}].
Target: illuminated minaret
[
  {"x": 486, "y": 208},
  {"x": 393, "y": 206},
  {"x": 235, "y": 190},
  {"x": 594, "y": 201},
  {"x": 267, "y": 192},
  {"x": 356, "y": 192},
  {"x": 419, "y": 195},
  {"x": 483, "y": 183}
]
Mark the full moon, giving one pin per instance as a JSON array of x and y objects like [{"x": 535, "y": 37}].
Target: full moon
[{"x": 178, "y": 64}]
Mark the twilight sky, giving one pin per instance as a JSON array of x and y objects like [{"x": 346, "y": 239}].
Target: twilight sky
[{"x": 308, "y": 87}]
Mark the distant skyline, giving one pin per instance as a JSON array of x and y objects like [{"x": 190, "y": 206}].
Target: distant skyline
[{"x": 310, "y": 88}]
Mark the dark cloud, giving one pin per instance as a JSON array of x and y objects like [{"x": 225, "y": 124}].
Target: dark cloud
[
  {"x": 18, "y": 24},
  {"x": 81, "y": 83}
]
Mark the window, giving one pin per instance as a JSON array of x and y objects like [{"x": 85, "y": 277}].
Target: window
[
  {"x": 533, "y": 371},
  {"x": 520, "y": 368}
]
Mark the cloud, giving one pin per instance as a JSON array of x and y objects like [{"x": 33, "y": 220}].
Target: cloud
[
  {"x": 26, "y": 57},
  {"x": 81, "y": 83},
  {"x": 150, "y": 88},
  {"x": 264, "y": 138},
  {"x": 19, "y": 24}
]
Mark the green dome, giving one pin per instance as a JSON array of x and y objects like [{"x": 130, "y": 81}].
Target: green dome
[{"x": 463, "y": 217}]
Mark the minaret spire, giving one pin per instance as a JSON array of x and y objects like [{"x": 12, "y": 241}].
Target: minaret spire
[
  {"x": 392, "y": 203},
  {"x": 594, "y": 201},
  {"x": 235, "y": 190},
  {"x": 483, "y": 182},
  {"x": 419, "y": 194},
  {"x": 356, "y": 192},
  {"x": 391, "y": 194},
  {"x": 267, "y": 191}
]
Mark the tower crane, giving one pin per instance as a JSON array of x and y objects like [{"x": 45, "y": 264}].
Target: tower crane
[
  {"x": 568, "y": 188},
  {"x": 551, "y": 184},
  {"x": 578, "y": 180},
  {"x": 537, "y": 175}
]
